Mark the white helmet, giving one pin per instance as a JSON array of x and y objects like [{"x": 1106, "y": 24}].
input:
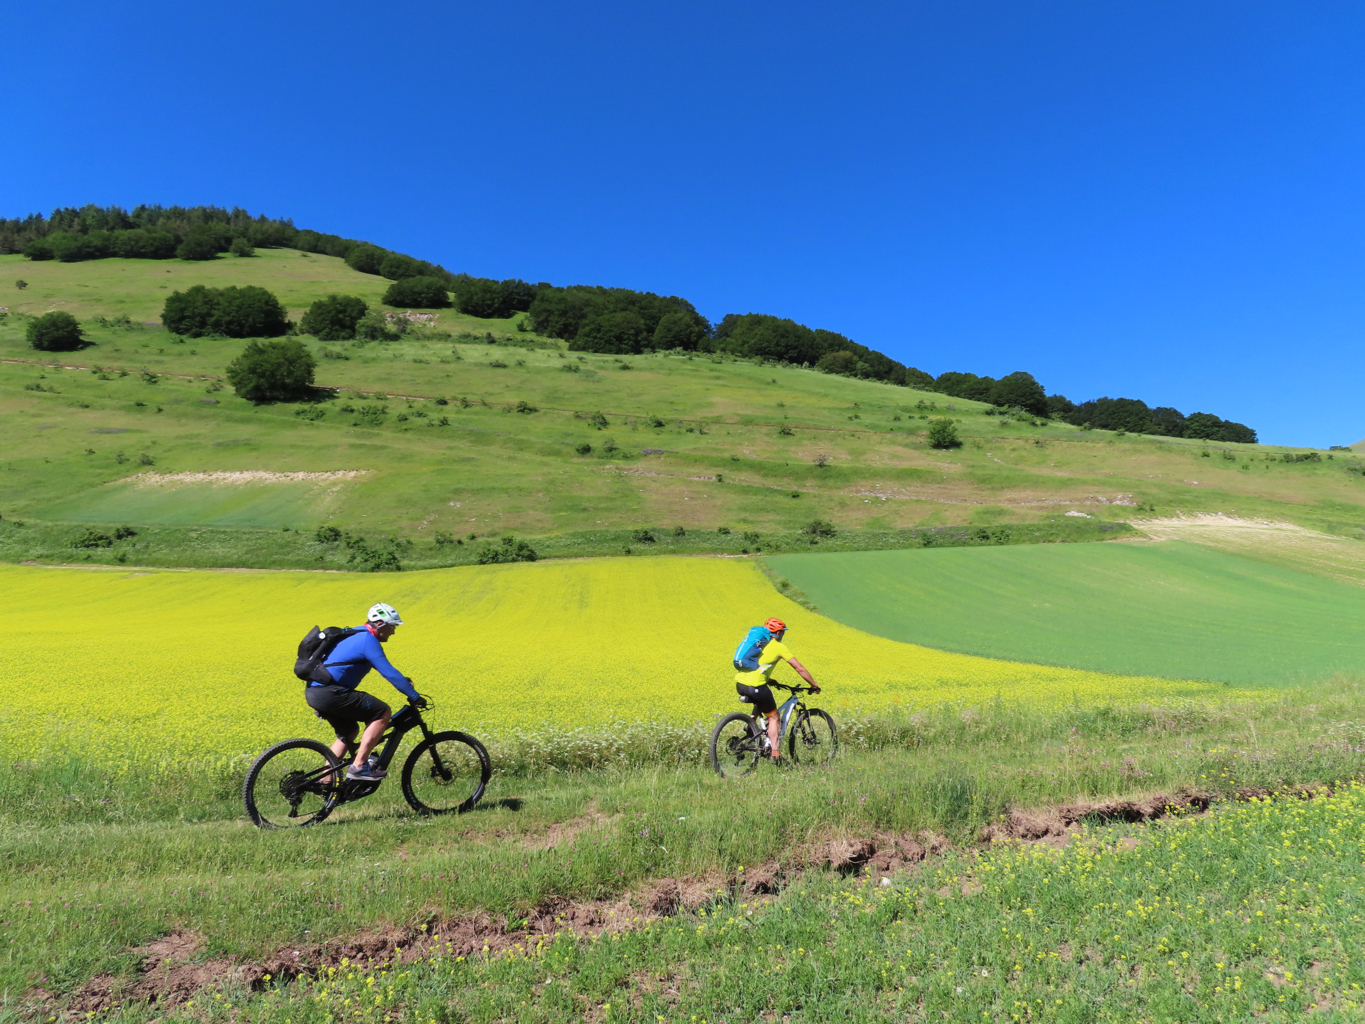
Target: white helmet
[{"x": 385, "y": 614}]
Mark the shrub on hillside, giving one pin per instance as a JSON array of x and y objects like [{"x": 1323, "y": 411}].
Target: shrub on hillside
[
  {"x": 617, "y": 333},
  {"x": 838, "y": 362},
  {"x": 38, "y": 249},
  {"x": 366, "y": 258},
  {"x": 418, "y": 293},
  {"x": 242, "y": 247},
  {"x": 334, "y": 318},
  {"x": 190, "y": 312},
  {"x": 246, "y": 312},
  {"x": 943, "y": 434},
  {"x": 510, "y": 550},
  {"x": 55, "y": 332},
  {"x": 273, "y": 371},
  {"x": 374, "y": 326},
  {"x": 249, "y": 312}
]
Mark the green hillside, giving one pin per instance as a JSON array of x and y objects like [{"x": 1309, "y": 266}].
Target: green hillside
[
  {"x": 690, "y": 440},
  {"x": 1169, "y": 609}
]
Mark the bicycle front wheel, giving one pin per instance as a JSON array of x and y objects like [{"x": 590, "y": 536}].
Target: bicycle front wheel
[
  {"x": 814, "y": 740},
  {"x": 446, "y": 774},
  {"x": 734, "y": 747},
  {"x": 291, "y": 786}
]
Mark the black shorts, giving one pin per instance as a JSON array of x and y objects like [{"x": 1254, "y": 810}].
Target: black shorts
[
  {"x": 761, "y": 697},
  {"x": 344, "y": 709}
]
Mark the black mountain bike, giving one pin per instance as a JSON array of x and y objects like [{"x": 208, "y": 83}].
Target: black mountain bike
[
  {"x": 740, "y": 740},
  {"x": 300, "y": 782}
]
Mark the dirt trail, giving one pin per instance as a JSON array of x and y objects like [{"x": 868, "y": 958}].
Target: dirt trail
[
  {"x": 1338, "y": 558},
  {"x": 170, "y": 974}
]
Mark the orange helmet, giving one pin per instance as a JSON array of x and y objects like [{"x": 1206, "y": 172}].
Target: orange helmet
[{"x": 774, "y": 625}]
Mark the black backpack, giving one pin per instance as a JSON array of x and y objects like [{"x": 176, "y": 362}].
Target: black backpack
[{"x": 313, "y": 651}]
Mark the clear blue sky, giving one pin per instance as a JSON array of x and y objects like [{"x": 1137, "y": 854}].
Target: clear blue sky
[{"x": 1161, "y": 201}]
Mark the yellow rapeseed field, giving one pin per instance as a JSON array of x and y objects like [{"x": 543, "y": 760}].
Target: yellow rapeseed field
[{"x": 167, "y": 664}]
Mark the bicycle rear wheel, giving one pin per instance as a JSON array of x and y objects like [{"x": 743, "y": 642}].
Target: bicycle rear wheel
[
  {"x": 446, "y": 774},
  {"x": 734, "y": 747},
  {"x": 814, "y": 740},
  {"x": 289, "y": 785}
]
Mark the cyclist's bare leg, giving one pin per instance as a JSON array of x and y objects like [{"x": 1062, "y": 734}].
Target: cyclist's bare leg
[
  {"x": 773, "y": 725},
  {"x": 339, "y": 746},
  {"x": 371, "y": 736}
]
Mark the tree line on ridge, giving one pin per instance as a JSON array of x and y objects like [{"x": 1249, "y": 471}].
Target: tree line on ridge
[{"x": 590, "y": 318}]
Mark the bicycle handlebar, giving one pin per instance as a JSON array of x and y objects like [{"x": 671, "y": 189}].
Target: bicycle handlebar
[{"x": 798, "y": 688}]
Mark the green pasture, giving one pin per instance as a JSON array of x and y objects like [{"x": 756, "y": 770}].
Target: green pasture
[
  {"x": 1169, "y": 609},
  {"x": 697, "y": 442},
  {"x": 248, "y": 504}
]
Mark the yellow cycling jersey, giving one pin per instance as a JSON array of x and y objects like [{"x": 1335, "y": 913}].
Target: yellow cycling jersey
[{"x": 767, "y": 661}]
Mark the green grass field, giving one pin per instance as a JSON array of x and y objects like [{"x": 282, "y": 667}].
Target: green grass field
[
  {"x": 1176, "y": 609},
  {"x": 143, "y": 399}
]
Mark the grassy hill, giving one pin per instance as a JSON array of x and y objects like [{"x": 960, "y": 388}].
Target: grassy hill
[{"x": 697, "y": 442}]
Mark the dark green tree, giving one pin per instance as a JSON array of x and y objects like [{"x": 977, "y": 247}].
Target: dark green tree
[
  {"x": 190, "y": 313},
  {"x": 483, "y": 297},
  {"x": 964, "y": 385},
  {"x": 55, "y": 332},
  {"x": 1059, "y": 407},
  {"x": 202, "y": 242},
  {"x": 678, "y": 330},
  {"x": 621, "y": 333},
  {"x": 366, "y": 258},
  {"x": 396, "y": 267},
  {"x": 1019, "y": 390},
  {"x": 273, "y": 371},
  {"x": 334, "y": 318},
  {"x": 418, "y": 293},
  {"x": 845, "y": 363},
  {"x": 248, "y": 312},
  {"x": 242, "y": 247}
]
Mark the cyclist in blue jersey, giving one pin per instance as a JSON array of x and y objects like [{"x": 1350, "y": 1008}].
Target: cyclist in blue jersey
[{"x": 344, "y": 707}]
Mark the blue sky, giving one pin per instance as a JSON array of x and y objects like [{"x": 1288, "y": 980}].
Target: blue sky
[{"x": 1160, "y": 201}]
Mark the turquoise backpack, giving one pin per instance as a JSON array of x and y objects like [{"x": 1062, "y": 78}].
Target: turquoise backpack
[{"x": 746, "y": 654}]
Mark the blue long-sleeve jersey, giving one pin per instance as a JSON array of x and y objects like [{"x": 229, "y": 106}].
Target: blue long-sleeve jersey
[{"x": 352, "y": 659}]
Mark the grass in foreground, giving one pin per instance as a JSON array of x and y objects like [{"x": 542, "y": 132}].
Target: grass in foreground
[
  {"x": 1173, "y": 609},
  {"x": 1253, "y": 912},
  {"x": 97, "y": 865}
]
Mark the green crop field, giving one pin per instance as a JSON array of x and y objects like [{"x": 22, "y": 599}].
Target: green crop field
[{"x": 1173, "y": 608}]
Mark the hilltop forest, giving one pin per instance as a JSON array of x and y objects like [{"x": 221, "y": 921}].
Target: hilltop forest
[{"x": 617, "y": 321}]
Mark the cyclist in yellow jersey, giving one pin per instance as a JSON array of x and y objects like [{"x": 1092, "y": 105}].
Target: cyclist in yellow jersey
[{"x": 753, "y": 686}]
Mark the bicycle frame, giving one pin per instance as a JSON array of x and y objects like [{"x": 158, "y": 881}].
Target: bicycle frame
[
  {"x": 784, "y": 714},
  {"x": 404, "y": 720}
]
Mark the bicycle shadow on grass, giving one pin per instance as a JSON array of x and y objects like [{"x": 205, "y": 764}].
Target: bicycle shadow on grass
[{"x": 402, "y": 814}]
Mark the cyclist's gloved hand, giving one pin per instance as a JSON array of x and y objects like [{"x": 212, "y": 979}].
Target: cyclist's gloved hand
[
  {"x": 418, "y": 702},
  {"x": 814, "y": 688}
]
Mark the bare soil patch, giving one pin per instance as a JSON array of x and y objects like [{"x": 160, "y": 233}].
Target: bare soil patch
[{"x": 1296, "y": 547}]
